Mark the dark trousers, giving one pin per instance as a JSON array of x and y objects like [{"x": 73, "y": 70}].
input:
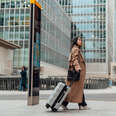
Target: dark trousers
[
  {"x": 80, "y": 104},
  {"x": 83, "y": 102},
  {"x": 24, "y": 87}
]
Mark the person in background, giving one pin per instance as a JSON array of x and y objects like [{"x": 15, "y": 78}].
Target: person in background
[
  {"x": 20, "y": 85},
  {"x": 23, "y": 78},
  {"x": 110, "y": 80}
]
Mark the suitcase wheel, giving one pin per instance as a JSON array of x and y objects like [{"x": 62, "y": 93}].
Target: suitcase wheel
[
  {"x": 54, "y": 109},
  {"x": 47, "y": 105}
]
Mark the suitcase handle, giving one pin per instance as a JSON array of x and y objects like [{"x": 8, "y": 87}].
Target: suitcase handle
[{"x": 60, "y": 97}]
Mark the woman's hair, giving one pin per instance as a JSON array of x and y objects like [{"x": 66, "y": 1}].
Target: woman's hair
[
  {"x": 24, "y": 67},
  {"x": 74, "y": 41}
]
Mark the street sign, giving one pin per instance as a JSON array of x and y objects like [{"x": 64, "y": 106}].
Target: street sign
[{"x": 34, "y": 53}]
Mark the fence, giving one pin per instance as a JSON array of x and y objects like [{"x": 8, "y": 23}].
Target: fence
[
  {"x": 49, "y": 83},
  {"x": 9, "y": 83},
  {"x": 114, "y": 82}
]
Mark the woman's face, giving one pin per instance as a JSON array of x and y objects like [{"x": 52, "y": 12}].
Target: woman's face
[
  {"x": 79, "y": 42},
  {"x": 23, "y": 68}
]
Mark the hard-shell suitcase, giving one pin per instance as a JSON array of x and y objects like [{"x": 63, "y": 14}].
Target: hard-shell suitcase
[{"x": 59, "y": 94}]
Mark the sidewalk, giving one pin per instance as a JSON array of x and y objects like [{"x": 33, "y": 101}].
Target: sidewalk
[{"x": 20, "y": 108}]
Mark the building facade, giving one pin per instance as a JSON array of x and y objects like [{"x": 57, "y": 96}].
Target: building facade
[
  {"x": 55, "y": 33},
  {"x": 89, "y": 21},
  {"x": 6, "y": 57},
  {"x": 111, "y": 25},
  {"x": 15, "y": 27}
]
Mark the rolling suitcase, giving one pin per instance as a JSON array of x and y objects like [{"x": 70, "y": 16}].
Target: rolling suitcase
[{"x": 59, "y": 94}]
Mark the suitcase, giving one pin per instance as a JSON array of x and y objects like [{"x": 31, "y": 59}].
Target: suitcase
[{"x": 59, "y": 94}]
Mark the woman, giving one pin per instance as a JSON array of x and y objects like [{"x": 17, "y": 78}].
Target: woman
[
  {"x": 24, "y": 78},
  {"x": 76, "y": 95}
]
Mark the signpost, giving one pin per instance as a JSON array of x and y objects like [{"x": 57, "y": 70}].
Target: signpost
[{"x": 34, "y": 53}]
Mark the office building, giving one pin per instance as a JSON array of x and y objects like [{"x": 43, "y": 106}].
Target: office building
[
  {"x": 111, "y": 35},
  {"x": 89, "y": 21},
  {"x": 55, "y": 33}
]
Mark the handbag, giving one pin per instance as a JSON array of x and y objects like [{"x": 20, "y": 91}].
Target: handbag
[{"x": 73, "y": 75}]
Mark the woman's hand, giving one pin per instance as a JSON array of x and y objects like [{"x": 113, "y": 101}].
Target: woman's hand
[{"x": 77, "y": 68}]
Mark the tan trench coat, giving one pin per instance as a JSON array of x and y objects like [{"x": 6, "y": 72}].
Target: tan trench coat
[{"x": 76, "y": 59}]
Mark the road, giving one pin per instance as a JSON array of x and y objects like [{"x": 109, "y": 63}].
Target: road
[{"x": 96, "y": 97}]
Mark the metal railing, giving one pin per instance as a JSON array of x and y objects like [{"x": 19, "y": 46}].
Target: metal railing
[
  {"x": 9, "y": 83},
  {"x": 114, "y": 82},
  {"x": 51, "y": 82}
]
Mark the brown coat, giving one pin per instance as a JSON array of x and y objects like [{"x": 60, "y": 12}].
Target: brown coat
[{"x": 76, "y": 59}]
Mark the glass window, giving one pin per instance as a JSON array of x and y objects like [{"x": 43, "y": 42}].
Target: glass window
[
  {"x": 16, "y": 17},
  {"x": 22, "y": 3},
  {"x": 26, "y": 35},
  {"x": 12, "y": 4},
  {"x": 2, "y": 4},
  {"x": 21, "y": 43},
  {"x": 26, "y": 44},
  {"x": 1, "y": 32},
  {"x": 7, "y": 4},
  {"x": 21, "y": 17},
  {"x": 17, "y": 3},
  {"x": 1, "y": 17},
  {"x": 22, "y": 33},
  {"x": 27, "y": 20},
  {"x": 6, "y": 17}
]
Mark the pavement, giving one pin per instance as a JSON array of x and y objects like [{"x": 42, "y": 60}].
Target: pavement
[
  {"x": 97, "y": 107},
  {"x": 20, "y": 108},
  {"x": 108, "y": 94}
]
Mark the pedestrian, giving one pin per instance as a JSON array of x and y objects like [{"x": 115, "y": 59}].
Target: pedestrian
[
  {"x": 24, "y": 78},
  {"x": 110, "y": 80},
  {"x": 20, "y": 85},
  {"x": 76, "y": 94}
]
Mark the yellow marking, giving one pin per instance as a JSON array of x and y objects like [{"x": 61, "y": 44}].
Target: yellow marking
[{"x": 36, "y": 3}]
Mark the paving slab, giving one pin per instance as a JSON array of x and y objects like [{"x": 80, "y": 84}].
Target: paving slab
[{"x": 20, "y": 108}]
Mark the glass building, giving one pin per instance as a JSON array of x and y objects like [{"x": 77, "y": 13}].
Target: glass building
[
  {"x": 89, "y": 21},
  {"x": 55, "y": 31},
  {"x": 111, "y": 34},
  {"x": 15, "y": 27}
]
